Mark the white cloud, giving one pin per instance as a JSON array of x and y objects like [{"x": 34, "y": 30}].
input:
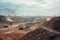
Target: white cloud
[
  {"x": 13, "y": 1},
  {"x": 35, "y": 7},
  {"x": 18, "y": 2},
  {"x": 46, "y": 3}
]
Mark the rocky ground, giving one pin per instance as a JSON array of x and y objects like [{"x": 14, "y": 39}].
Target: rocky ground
[{"x": 37, "y": 32}]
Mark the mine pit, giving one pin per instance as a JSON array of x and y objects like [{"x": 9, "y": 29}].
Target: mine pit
[{"x": 34, "y": 29}]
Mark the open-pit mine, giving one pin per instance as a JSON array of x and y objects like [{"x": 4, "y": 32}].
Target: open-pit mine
[{"x": 29, "y": 28}]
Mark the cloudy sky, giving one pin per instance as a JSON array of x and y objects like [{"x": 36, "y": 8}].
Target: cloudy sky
[{"x": 30, "y": 7}]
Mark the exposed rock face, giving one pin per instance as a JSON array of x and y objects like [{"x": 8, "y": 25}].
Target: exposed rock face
[
  {"x": 10, "y": 36},
  {"x": 2, "y": 37},
  {"x": 38, "y": 34},
  {"x": 56, "y": 25},
  {"x": 42, "y": 34}
]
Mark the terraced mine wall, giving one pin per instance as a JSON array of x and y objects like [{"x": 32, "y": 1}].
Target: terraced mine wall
[{"x": 38, "y": 34}]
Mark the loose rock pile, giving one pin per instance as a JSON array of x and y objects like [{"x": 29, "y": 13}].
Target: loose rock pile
[{"x": 40, "y": 34}]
